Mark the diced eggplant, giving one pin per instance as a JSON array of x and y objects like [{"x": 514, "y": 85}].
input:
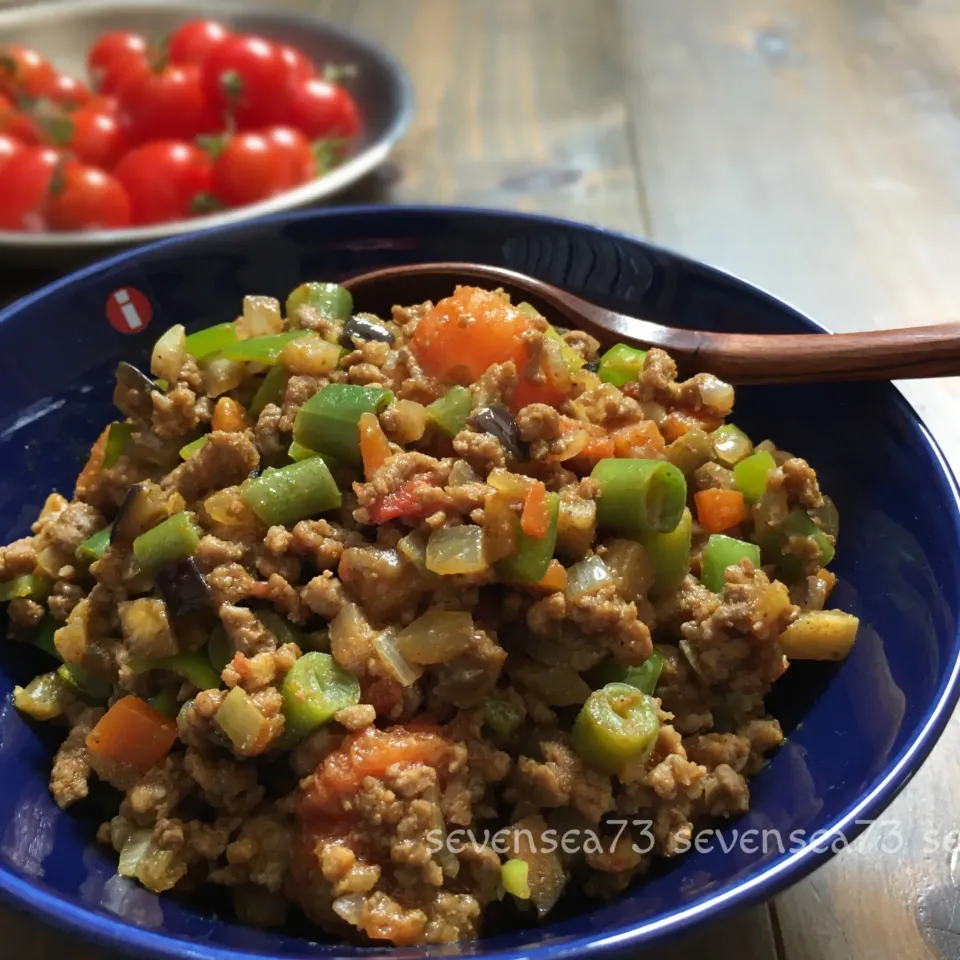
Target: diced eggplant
[
  {"x": 182, "y": 587},
  {"x": 362, "y": 327},
  {"x": 498, "y": 422}
]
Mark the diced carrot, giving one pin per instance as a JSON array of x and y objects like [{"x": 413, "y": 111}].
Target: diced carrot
[
  {"x": 374, "y": 446},
  {"x": 677, "y": 424},
  {"x": 466, "y": 333},
  {"x": 229, "y": 416},
  {"x": 642, "y": 437},
  {"x": 719, "y": 510},
  {"x": 133, "y": 733},
  {"x": 535, "y": 519},
  {"x": 94, "y": 464},
  {"x": 555, "y": 579}
]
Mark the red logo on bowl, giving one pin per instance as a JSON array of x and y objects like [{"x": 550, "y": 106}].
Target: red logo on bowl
[{"x": 128, "y": 310}]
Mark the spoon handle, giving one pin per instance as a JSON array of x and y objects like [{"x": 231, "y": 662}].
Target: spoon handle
[{"x": 909, "y": 353}]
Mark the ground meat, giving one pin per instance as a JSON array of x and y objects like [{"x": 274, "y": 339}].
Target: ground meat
[
  {"x": 262, "y": 670},
  {"x": 799, "y": 482},
  {"x": 174, "y": 412},
  {"x": 396, "y": 472},
  {"x": 76, "y": 523},
  {"x": 712, "y": 749},
  {"x": 356, "y": 717},
  {"x": 269, "y": 436},
  {"x": 230, "y": 583},
  {"x": 158, "y": 792},
  {"x": 467, "y": 679},
  {"x": 321, "y": 541},
  {"x": 482, "y": 451},
  {"x": 495, "y": 386},
  {"x": 306, "y": 317},
  {"x": 195, "y": 719},
  {"x": 561, "y": 780},
  {"x": 725, "y": 793},
  {"x": 247, "y": 634},
  {"x": 64, "y": 598},
  {"x": 213, "y": 552},
  {"x": 283, "y": 596},
  {"x": 19, "y": 557},
  {"x": 71, "y": 765},
  {"x": 605, "y": 612},
  {"x": 324, "y": 595},
  {"x": 227, "y": 785},
  {"x": 24, "y": 612},
  {"x": 604, "y": 405},
  {"x": 260, "y": 854},
  {"x": 584, "y": 345},
  {"x": 226, "y": 459},
  {"x": 296, "y": 393}
]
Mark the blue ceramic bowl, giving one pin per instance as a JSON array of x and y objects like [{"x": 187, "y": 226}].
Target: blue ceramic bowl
[{"x": 856, "y": 731}]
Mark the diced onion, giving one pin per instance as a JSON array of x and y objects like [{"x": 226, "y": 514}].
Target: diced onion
[
  {"x": 587, "y": 576},
  {"x": 261, "y": 318},
  {"x": 349, "y": 907},
  {"x": 452, "y": 550},
  {"x": 401, "y": 669},
  {"x": 716, "y": 394},
  {"x": 630, "y": 567},
  {"x": 512, "y": 484},
  {"x": 693, "y": 658},
  {"x": 169, "y": 352},
  {"x": 437, "y": 637},
  {"x": 310, "y": 355},
  {"x": 220, "y": 375},
  {"x": 413, "y": 548},
  {"x": 240, "y": 719},
  {"x": 133, "y": 851},
  {"x": 228, "y": 507}
]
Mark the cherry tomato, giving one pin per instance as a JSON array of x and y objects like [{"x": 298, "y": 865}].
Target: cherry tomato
[
  {"x": 9, "y": 148},
  {"x": 18, "y": 125},
  {"x": 165, "y": 105},
  {"x": 249, "y": 77},
  {"x": 322, "y": 109},
  {"x": 103, "y": 104},
  {"x": 255, "y": 166},
  {"x": 93, "y": 136},
  {"x": 299, "y": 65},
  {"x": 86, "y": 198},
  {"x": 69, "y": 92},
  {"x": 195, "y": 40},
  {"x": 24, "y": 71},
  {"x": 26, "y": 184},
  {"x": 164, "y": 180},
  {"x": 115, "y": 57}
]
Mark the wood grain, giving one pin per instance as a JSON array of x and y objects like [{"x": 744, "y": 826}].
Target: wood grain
[{"x": 813, "y": 147}]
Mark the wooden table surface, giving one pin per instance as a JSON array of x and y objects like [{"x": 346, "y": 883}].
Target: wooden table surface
[{"x": 809, "y": 146}]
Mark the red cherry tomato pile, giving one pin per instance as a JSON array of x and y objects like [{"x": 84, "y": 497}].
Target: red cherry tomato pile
[{"x": 210, "y": 119}]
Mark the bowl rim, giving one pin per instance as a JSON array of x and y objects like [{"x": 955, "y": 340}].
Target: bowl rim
[
  {"x": 118, "y": 934},
  {"x": 367, "y": 159}
]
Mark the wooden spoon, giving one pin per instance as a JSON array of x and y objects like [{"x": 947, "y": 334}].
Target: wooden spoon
[{"x": 910, "y": 353}]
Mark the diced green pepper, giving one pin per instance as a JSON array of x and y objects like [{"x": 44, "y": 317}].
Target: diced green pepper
[
  {"x": 327, "y": 422},
  {"x": 722, "y": 552},
  {"x": 774, "y": 545},
  {"x": 264, "y": 350},
  {"x": 799, "y": 523},
  {"x": 450, "y": 412},
  {"x": 220, "y": 651},
  {"x": 644, "y": 677},
  {"x": 295, "y": 492},
  {"x": 166, "y": 702},
  {"x": 669, "y": 553},
  {"x": 639, "y": 496},
  {"x": 533, "y": 555},
  {"x": 270, "y": 390},
  {"x": 43, "y": 638},
  {"x": 621, "y": 364},
  {"x": 31, "y": 586},
  {"x": 95, "y": 546},
  {"x": 194, "y": 667},
  {"x": 750, "y": 475},
  {"x": 731, "y": 444},
  {"x": 189, "y": 449},
  {"x": 313, "y": 690},
  {"x": 172, "y": 539},
  {"x": 502, "y": 718},
  {"x": 282, "y": 628},
  {"x": 617, "y": 726},
  {"x": 84, "y": 682},
  {"x": 298, "y": 452},
  {"x": 329, "y": 299},
  {"x": 211, "y": 340},
  {"x": 571, "y": 358},
  {"x": 118, "y": 437}
]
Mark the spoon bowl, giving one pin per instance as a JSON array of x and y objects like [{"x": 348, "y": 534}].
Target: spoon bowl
[{"x": 908, "y": 353}]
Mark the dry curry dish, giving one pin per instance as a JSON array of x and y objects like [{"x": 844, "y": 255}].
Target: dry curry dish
[{"x": 337, "y": 587}]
